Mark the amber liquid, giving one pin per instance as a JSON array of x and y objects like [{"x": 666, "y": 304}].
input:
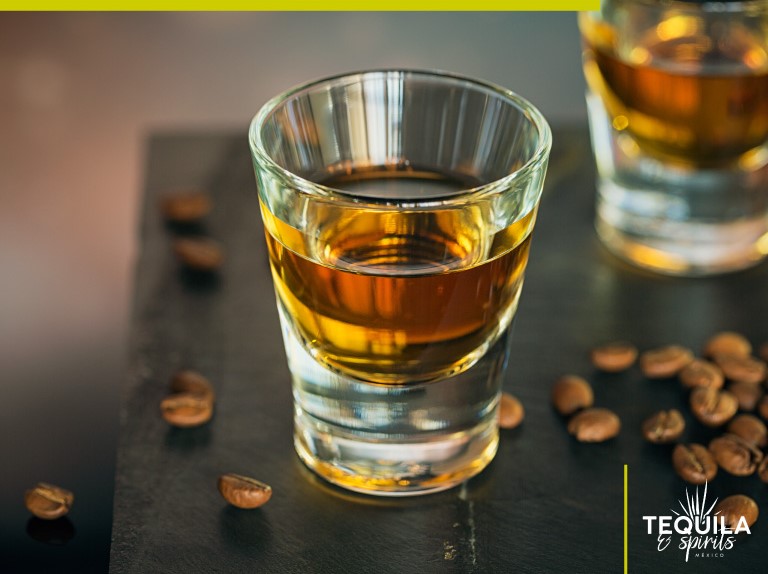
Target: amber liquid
[
  {"x": 398, "y": 295},
  {"x": 683, "y": 98}
]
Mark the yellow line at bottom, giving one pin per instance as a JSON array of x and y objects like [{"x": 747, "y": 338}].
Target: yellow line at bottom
[{"x": 626, "y": 521}]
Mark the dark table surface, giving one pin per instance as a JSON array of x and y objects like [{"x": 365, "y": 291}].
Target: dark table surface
[{"x": 546, "y": 504}]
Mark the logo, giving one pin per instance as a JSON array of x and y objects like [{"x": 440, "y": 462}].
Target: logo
[{"x": 696, "y": 530}]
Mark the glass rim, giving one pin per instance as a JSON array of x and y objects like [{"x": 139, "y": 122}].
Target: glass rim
[
  {"x": 707, "y": 6},
  {"x": 303, "y": 185}
]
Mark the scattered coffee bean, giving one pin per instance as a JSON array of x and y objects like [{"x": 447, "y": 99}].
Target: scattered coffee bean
[
  {"x": 762, "y": 470},
  {"x": 742, "y": 369},
  {"x": 511, "y": 411},
  {"x": 713, "y": 407},
  {"x": 186, "y": 410},
  {"x": 185, "y": 206},
  {"x": 750, "y": 428},
  {"x": 663, "y": 426},
  {"x": 48, "y": 501},
  {"x": 701, "y": 373},
  {"x": 735, "y": 455},
  {"x": 694, "y": 463},
  {"x": 762, "y": 408},
  {"x": 594, "y": 425},
  {"x": 243, "y": 491},
  {"x": 199, "y": 254},
  {"x": 665, "y": 361},
  {"x": 571, "y": 393},
  {"x": 192, "y": 382},
  {"x": 733, "y": 507},
  {"x": 614, "y": 357},
  {"x": 747, "y": 394},
  {"x": 728, "y": 343}
]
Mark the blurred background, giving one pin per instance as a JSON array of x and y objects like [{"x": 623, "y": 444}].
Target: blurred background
[{"x": 79, "y": 94}]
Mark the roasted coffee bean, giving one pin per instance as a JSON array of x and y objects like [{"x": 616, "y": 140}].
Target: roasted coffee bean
[
  {"x": 747, "y": 395},
  {"x": 694, "y": 463},
  {"x": 701, "y": 373},
  {"x": 762, "y": 407},
  {"x": 511, "y": 411},
  {"x": 193, "y": 383},
  {"x": 186, "y": 410},
  {"x": 762, "y": 470},
  {"x": 750, "y": 428},
  {"x": 186, "y": 206},
  {"x": 713, "y": 407},
  {"x": 570, "y": 394},
  {"x": 663, "y": 426},
  {"x": 199, "y": 254},
  {"x": 594, "y": 425},
  {"x": 735, "y": 455},
  {"x": 243, "y": 491},
  {"x": 665, "y": 361},
  {"x": 741, "y": 369},
  {"x": 733, "y": 507},
  {"x": 48, "y": 501},
  {"x": 614, "y": 357},
  {"x": 728, "y": 343}
]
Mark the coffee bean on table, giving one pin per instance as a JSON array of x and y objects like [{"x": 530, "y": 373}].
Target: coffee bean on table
[
  {"x": 571, "y": 393},
  {"x": 192, "y": 382},
  {"x": 733, "y": 507},
  {"x": 762, "y": 407},
  {"x": 594, "y": 425},
  {"x": 614, "y": 357},
  {"x": 199, "y": 253},
  {"x": 701, "y": 373},
  {"x": 750, "y": 428},
  {"x": 665, "y": 361},
  {"x": 694, "y": 463},
  {"x": 48, "y": 501},
  {"x": 728, "y": 343},
  {"x": 663, "y": 426},
  {"x": 511, "y": 411},
  {"x": 185, "y": 206},
  {"x": 186, "y": 410},
  {"x": 713, "y": 407},
  {"x": 735, "y": 455},
  {"x": 742, "y": 369},
  {"x": 747, "y": 394},
  {"x": 244, "y": 491}
]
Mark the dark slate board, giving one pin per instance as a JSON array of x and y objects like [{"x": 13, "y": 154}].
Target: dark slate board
[{"x": 546, "y": 504}]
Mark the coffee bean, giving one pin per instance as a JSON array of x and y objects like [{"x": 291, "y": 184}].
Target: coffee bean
[
  {"x": 694, "y": 463},
  {"x": 665, "y": 361},
  {"x": 701, "y": 373},
  {"x": 750, "y": 428},
  {"x": 614, "y": 357},
  {"x": 594, "y": 425},
  {"x": 243, "y": 491},
  {"x": 736, "y": 506},
  {"x": 747, "y": 394},
  {"x": 735, "y": 455},
  {"x": 762, "y": 470},
  {"x": 185, "y": 206},
  {"x": 764, "y": 351},
  {"x": 728, "y": 343},
  {"x": 663, "y": 426},
  {"x": 511, "y": 411},
  {"x": 713, "y": 407},
  {"x": 199, "y": 254},
  {"x": 571, "y": 393},
  {"x": 742, "y": 369},
  {"x": 48, "y": 501},
  {"x": 762, "y": 408},
  {"x": 186, "y": 410},
  {"x": 193, "y": 383}
]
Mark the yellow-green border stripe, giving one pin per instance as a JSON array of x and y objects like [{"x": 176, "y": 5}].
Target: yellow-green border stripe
[
  {"x": 626, "y": 519},
  {"x": 303, "y": 5}
]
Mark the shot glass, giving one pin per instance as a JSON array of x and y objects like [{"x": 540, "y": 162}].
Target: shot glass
[
  {"x": 398, "y": 207},
  {"x": 678, "y": 110}
]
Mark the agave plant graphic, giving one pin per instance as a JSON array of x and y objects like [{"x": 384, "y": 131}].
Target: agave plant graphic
[{"x": 694, "y": 507}]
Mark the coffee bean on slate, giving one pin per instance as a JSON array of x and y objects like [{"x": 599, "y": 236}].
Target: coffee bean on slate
[
  {"x": 614, "y": 357},
  {"x": 186, "y": 410},
  {"x": 192, "y": 382},
  {"x": 48, "y": 501},
  {"x": 747, "y": 394},
  {"x": 701, "y": 373},
  {"x": 594, "y": 425},
  {"x": 185, "y": 206},
  {"x": 750, "y": 428},
  {"x": 199, "y": 253},
  {"x": 243, "y": 491},
  {"x": 571, "y": 393},
  {"x": 762, "y": 470},
  {"x": 665, "y": 361},
  {"x": 762, "y": 407},
  {"x": 733, "y": 507},
  {"x": 735, "y": 455},
  {"x": 713, "y": 407},
  {"x": 742, "y": 369},
  {"x": 694, "y": 463},
  {"x": 511, "y": 411},
  {"x": 728, "y": 343},
  {"x": 663, "y": 426}
]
